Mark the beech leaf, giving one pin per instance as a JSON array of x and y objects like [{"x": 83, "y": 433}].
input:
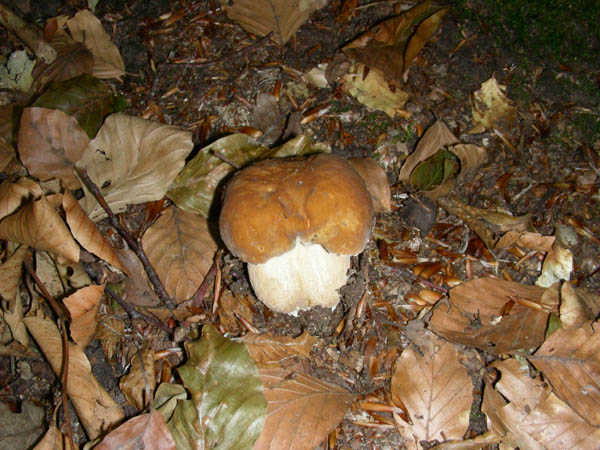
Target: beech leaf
[
  {"x": 147, "y": 432},
  {"x": 436, "y": 390},
  {"x": 83, "y": 305},
  {"x": 95, "y": 408},
  {"x": 132, "y": 161},
  {"x": 282, "y": 17},
  {"x": 227, "y": 405},
  {"x": 50, "y": 143},
  {"x": 570, "y": 360},
  {"x": 181, "y": 248}
]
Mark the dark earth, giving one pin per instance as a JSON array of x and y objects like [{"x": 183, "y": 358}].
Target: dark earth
[{"x": 546, "y": 53}]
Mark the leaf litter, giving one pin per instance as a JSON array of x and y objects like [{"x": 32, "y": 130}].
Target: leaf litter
[{"x": 199, "y": 361}]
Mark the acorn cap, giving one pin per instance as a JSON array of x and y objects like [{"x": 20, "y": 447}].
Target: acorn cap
[{"x": 272, "y": 204}]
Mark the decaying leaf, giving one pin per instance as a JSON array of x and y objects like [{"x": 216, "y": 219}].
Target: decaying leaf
[
  {"x": 194, "y": 188},
  {"x": 282, "y": 17},
  {"x": 477, "y": 316},
  {"x": 132, "y": 160},
  {"x": 50, "y": 143},
  {"x": 10, "y": 274},
  {"x": 87, "y": 234},
  {"x": 85, "y": 98},
  {"x": 570, "y": 360},
  {"x": 181, "y": 248},
  {"x": 269, "y": 350},
  {"x": 527, "y": 240},
  {"x": 436, "y": 390},
  {"x": 577, "y": 306},
  {"x": 147, "y": 431},
  {"x": 16, "y": 73},
  {"x": 491, "y": 108},
  {"x": 227, "y": 405},
  {"x": 373, "y": 91},
  {"x": 96, "y": 409},
  {"x": 391, "y": 46},
  {"x": 87, "y": 29},
  {"x": 534, "y": 417},
  {"x": 557, "y": 266},
  {"x": 38, "y": 225},
  {"x": 14, "y": 195},
  {"x": 139, "y": 383},
  {"x": 82, "y": 306}
]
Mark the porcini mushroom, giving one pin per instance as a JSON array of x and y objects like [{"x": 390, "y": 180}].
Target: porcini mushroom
[{"x": 297, "y": 222}]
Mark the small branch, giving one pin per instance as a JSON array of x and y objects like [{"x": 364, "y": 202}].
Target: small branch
[
  {"x": 134, "y": 313},
  {"x": 60, "y": 312},
  {"x": 133, "y": 244},
  {"x": 225, "y": 159}
]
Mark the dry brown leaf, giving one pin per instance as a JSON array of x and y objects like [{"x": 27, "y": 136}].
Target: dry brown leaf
[
  {"x": 491, "y": 108},
  {"x": 139, "y": 383},
  {"x": 87, "y": 29},
  {"x": 301, "y": 410},
  {"x": 577, "y": 306},
  {"x": 282, "y": 17},
  {"x": 95, "y": 408},
  {"x": 376, "y": 180},
  {"x": 147, "y": 431},
  {"x": 536, "y": 416},
  {"x": 373, "y": 91},
  {"x": 50, "y": 143},
  {"x": 38, "y": 225},
  {"x": 391, "y": 46},
  {"x": 436, "y": 137},
  {"x": 557, "y": 266},
  {"x": 181, "y": 248},
  {"x": 570, "y": 360},
  {"x": 527, "y": 240},
  {"x": 137, "y": 288},
  {"x": 82, "y": 306},
  {"x": 14, "y": 320},
  {"x": 269, "y": 351},
  {"x": 13, "y": 195},
  {"x": 436, "y": 390},
  {"x": 232, "y": 308},
  {"x": 87, "y": 234},
  {"x": 471, "y": 156},
  {"x": 10, "y": 274},
  {"x": 54, "y": 440},
  {"x": 475, "y": 315},
  {"x": 133, "y": 161}
]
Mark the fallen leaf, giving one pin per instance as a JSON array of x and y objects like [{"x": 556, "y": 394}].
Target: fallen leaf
[
  {"x": 14, "y": 319},
  {"x": 16, "y": 73},
  {"x": 85, "y": 98},
  {"x": 227, "y": 405},
  {"x": 282, "y": 17},
  {"x": 373, "y": 91},
  {"x": 180, "y": 247},
  {"x": 23, "y": 429},
  {"x": 436, "y": 390},
  {"x": 139, "y": 383},
  {"x": 302, "y": 410},
  {"x": 82, "y": 306},
  {"x": 95, "y": 408},
  {"x": 536, "y": 416},
  {"x": 570, "y": 360},
  {"x": 53, "y": 440},
  {"x": 10, "y": 274},
  {"x": 269, "y": 350},
  {"x": 390, "y": 47},
  {"x": 527, "y": 240},
  {"x": 50, "y": 143},
  {"x": 577, "y": 306},
  {"x": 87, "y": 29},
  {"x": 14, "y": 195},
  {"x": 147, "y": 432},
  {"x": 491, "y": 108},
  {"x": 132, "y": 161},
  {"x": 475, "y": 315},
  {"x": 38, "y": 225},
  {"x": 557, "y": 266},
  {"x": 87, "y": 234}
]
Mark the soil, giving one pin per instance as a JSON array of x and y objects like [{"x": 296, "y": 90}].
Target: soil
[{"x": 532, "y": 169}]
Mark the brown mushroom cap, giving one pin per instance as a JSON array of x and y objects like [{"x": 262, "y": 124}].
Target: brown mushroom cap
[
  {"x": 376, "y": 181},
  {"x": 271, "y": 204}
]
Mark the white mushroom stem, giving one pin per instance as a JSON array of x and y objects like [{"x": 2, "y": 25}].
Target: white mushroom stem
[{"x": 306, "y": 276}]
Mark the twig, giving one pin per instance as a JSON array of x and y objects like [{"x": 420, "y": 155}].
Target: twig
[
  {"x": 134, "y": 313},
  {"x": 236, "y": 53},
  {"x": 64, "y": 367},
  {"x": 225, "y": 159},
  {"x": 133, "y": 244}
]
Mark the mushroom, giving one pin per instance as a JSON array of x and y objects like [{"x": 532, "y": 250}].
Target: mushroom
[{"x": 297, "y": 222}]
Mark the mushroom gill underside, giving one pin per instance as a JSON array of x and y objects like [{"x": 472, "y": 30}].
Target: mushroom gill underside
[{"x": 305, "y": 276}]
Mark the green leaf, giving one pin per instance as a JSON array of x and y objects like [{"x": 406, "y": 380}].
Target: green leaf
[
  {"x": 432, "y": 172},
  {"x": 227, "y": 408},
  {"x": 194, "y": 188},
  {"x": 86, "y": 98}
]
